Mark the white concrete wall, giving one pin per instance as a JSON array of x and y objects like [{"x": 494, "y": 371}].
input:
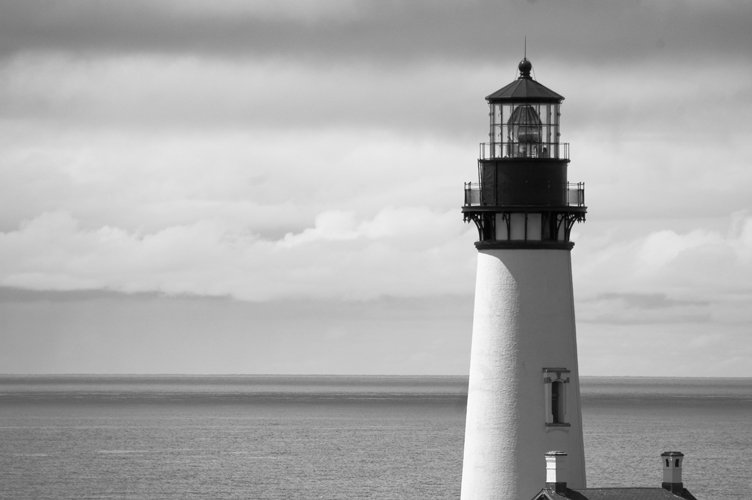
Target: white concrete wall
[{"x": 523, "y": 322}]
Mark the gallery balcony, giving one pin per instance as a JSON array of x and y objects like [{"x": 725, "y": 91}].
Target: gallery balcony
[{"x": 573, "y": 193}]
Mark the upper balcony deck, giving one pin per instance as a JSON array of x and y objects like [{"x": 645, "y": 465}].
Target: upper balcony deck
[{"x": 573, "y": 193}]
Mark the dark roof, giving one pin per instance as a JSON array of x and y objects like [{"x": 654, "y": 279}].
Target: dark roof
[
  {"x": 525, "y": 89},
  {"x": 612, "y": 494}
]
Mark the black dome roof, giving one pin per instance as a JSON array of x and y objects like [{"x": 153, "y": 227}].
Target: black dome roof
[{"x": 525, "y": 89}]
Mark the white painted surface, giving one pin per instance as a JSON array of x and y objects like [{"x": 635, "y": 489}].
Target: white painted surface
[
  {"x": 502, "y": 232},
  {"x": 556, "y": 464},
  {"x": 517, "y": 227},
  {"x": 533, "y": 227},
  {"x": 523, "y": 322},
  {"x": 672, "y": 468}
]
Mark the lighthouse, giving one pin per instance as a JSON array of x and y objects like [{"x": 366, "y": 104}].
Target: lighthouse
[{"x": 524, "y": 393}]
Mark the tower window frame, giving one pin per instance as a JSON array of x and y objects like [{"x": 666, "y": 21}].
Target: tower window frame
[{"x": 555, "y": 384}]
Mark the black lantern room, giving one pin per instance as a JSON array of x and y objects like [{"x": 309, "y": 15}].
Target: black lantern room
[{"x": 523, "y": 198}]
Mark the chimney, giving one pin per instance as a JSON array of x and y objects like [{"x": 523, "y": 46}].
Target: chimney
[
  {"x": 556, "y": 477},
  {"x": 672, "y": 471}
]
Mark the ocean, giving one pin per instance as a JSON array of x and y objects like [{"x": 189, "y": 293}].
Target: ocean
[{"x": 332, "y": 437}]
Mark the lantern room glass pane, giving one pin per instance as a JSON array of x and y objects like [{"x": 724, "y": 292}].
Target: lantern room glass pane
[{"x": 524, "y": 130}]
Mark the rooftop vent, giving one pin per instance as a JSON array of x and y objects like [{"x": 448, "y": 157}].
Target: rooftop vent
[
  {"x": 556, "y": 477},
  {"x": 672, "y": 471}
]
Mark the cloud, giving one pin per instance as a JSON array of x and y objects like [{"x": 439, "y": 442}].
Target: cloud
[
  {"x": 265, "y": 150},
  {"x": 187, "y": 94},
  {"x": 405, "y": 227},
  {"x": 616, "y": 30},
  {"x": 405, "y": 252},
  {"x": 329, "y": 227},
  {"x": 337, "y": 258},
  {"x": 643, "y": 309},
  {"x": 701, "y": 275},
  {"x": 144, "y": 181}
]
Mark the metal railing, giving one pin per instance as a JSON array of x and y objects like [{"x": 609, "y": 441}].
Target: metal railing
[
  {"x": 574, "y": 194},
  {"x": 555, "y": 150},
  {"x": 472, "y": 194}
]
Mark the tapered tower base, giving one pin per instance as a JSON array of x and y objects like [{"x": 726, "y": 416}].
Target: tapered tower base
[{"x": 524, "y": 394}]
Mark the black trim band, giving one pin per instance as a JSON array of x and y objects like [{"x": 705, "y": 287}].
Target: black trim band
[
  {"x": 523, "y": 245},
  {"x": 569, "y": 209}
]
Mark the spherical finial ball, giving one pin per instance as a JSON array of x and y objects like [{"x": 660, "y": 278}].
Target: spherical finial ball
[{"x": 525, "y": 67}]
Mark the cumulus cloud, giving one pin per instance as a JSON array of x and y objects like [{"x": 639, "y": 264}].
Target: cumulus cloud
[
  {"x": 667, "y": 276},
  {"x": 406, "y": 251},
  {"x": 263, "y": 150},
  {"x": 339, "y": 257},
  {"x": 272, "y": 185},
  {"x": 329, "y": 226}
]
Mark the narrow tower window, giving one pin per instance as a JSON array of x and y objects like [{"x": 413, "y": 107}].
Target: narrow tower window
[
  {"x": 556, "y": 400},
  {"x": 555, "y": 393}
]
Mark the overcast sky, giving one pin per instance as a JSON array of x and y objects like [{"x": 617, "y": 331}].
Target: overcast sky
[{"x": 275, "y": 187}]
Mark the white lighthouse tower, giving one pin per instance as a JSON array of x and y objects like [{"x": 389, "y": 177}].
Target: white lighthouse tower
[{"x": 524, "y": 393}]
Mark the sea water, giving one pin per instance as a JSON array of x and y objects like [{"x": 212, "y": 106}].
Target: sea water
[{"x": 271, "y": 437}]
